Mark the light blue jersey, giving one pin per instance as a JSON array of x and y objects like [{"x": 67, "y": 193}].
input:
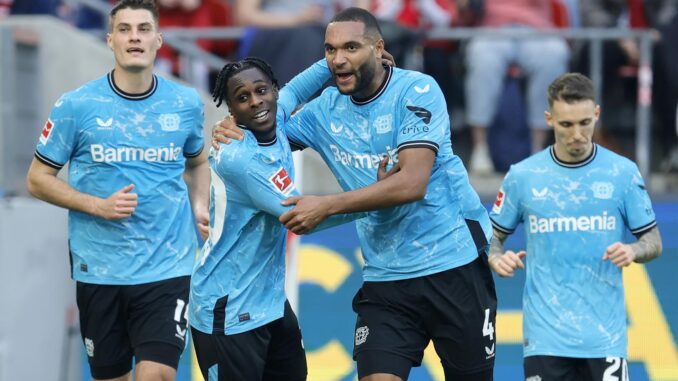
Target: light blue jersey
[
  {"x": 409, "y": 111},
  {"x": 573, "y": 302},
  {"x": 238, "y": 283},
  {"x": 112, "y": 139}
]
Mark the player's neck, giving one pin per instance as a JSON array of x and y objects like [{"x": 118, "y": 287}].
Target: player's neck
[
  {"x": 565, "y": 157},
  {"x": 376, "y": 86},
  {"x": 265, "y": 138},
  {"x": 133, "y": 82}
]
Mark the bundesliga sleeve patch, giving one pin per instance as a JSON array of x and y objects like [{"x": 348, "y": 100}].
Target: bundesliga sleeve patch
[
  {"x": 46, "y": 131},
  {"x": 282, "y": 182},
  {"x": 499, "y": 202}
]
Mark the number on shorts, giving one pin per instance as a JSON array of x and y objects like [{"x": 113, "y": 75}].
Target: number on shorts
[
  {"x": 179, "y": 309},
  {"x": 488, "y": 328},
  {"x": 616, "y": 363}
]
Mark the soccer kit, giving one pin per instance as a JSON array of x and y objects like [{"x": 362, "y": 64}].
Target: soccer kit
[
  {"x": 111, "y": 139},
  {"x": 237, "y": 287},
  {"x": 573, "y": 302},
  {"x": 445, "y": 230}
]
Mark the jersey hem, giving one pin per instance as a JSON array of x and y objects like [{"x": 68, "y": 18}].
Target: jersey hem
[
  {"x": 439, "y": 269},
  {"x": 45, "y": 160},
  {"x": 235, "y": 331},
  {"x": 192, "y": 155},
  {"x": 501, "y": 228},
  {"x": 433, "y": 146},
  {"x": 576, "y": 355},
  {"x": 128, "y": 282},
  {"x": 644, "y": 228}
]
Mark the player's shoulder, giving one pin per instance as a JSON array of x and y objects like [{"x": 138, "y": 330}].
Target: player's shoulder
[
  {"x": 413, "y": 81},
  {"x": 169, "y": 86},
  {"x": 608, "y": 157},
  {"x": 83, "y": 95},
  {"x": 531, "y": 162}
]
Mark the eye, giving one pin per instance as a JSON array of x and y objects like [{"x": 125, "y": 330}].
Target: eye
[
  {"x": 262, "y": 90},
  {"x": 352, "y": 48},
  {"x": 241, "y": 98},
  {"x": 329, "y": 49}
]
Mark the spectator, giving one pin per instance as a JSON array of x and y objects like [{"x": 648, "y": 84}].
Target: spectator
[
  {"x": 622, "y": 57},
  {"x": 184, "y": 13},
  {"x": 487, "y": 59}
]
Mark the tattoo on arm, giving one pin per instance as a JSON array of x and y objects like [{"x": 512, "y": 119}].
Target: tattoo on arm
[
  {"x": 497, "y": 245},
  {"x": 648, "y": 246}
]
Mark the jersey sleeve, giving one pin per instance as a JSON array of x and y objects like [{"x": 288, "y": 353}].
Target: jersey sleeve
[
  {"x": 302, "y": 87},
  {"x": 637, "y": 206},
  {"x": 269, "y": 184},
  {"x": 301, "y": 127},
  {"x": 506, "y": 212},
  {"x": 424, "y": 121},
  {"x": 196, "y": 141},
  {"x": 58, "y": 137}
]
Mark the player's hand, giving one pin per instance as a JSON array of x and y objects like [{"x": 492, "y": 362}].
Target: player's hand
[
  {"x": 505, "y": 264},
  {"x": 620, "y": 254},
  {"x": 120, "y": 204},
  {"x": 387, "y": 58},
  {"x": 381, "y": 171},
  {"x": 202, "y": 220},
  {"x": 308, "y": 212},
  {"x": 225, "y": 130}
]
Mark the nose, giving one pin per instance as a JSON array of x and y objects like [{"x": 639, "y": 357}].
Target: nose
[
  {"x": 577, "y": 133},
  {"x": 255, "y": 101},
  {"x": 338, "y": 59},
  {"x": 134, "y": 35}
]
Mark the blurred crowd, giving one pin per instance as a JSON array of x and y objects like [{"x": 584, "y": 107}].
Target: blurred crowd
[{"x": 494, "y": 86}]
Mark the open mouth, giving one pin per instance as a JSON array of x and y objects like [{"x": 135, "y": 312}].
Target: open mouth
[
  {"x": 261, "y": 115},
  {"x": 344, "y": 77},
  {"x": 135, "y": 50}
]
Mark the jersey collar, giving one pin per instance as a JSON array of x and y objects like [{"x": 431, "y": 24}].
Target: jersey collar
[
  {"x": 380, "y": 90},
  {"x": 577, "y": 164},
  {"x": 129, "y": 96}
]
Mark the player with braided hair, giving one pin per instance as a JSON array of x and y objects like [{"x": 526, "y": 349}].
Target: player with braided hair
[{"x": 242, "y": 325}]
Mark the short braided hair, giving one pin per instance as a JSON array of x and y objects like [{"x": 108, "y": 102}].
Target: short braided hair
[{"x": 220, "y": 92}]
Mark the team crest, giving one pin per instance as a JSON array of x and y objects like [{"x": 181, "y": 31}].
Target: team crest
[
  {"x": 602, "y": 190},
  {"x": 46, "y": 131},
  {"x": 169, "y": 122},
  {"x": 498, "y": 202},
  {"x": 384, "y": 124},
  {"x": 282, "y": 182},
  {"x": 89, "y": 347},
  {"x": 361, "y": 335}
]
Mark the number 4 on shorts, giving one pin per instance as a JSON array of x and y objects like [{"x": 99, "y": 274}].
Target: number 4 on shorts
[{"x": 488, "y": 328}]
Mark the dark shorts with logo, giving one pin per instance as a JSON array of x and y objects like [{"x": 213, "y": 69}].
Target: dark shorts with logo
[
  {"x": 553, "y": 368},
  {"x": 271, "y": 352},
  {"x": 454, "y": 308},
  {"x": 145, "y": 322}
]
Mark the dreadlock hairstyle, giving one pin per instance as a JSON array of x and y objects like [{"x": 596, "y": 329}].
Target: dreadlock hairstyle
[
  {"x": 148, "y": 5},
  {"x": 220, "y": 93}
]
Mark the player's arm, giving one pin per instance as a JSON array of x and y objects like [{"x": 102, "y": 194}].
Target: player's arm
[
  {"x": 197, "y": 177},
  {"x": 267, "y": 192},
  {"x": 647, "y": 248},
  {"x": 503, "y": 262},
  {"x": 407, "y": 184},
  {"x": 43, "y": 183}
]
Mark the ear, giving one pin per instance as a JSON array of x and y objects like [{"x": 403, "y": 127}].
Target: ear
[
  {"x": 597, "y": 112},
  {"x": 159, "y": 40},
  {"x": 549, "y": 118},
  {"x": 277, "y": 93},
  {"x": 379, "y": 48},
  {"x": 109, "y": 41}
]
